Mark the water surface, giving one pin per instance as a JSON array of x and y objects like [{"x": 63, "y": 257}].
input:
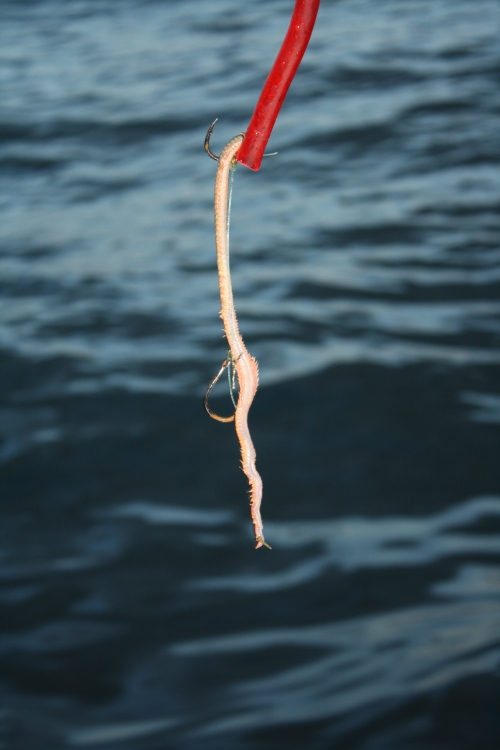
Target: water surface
[{"x": 366, "y": 263}]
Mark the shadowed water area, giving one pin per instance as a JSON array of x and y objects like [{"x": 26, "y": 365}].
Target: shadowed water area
[{"x": 136, "y": 614}]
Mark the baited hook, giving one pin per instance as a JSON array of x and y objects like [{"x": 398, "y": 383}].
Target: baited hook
[
  {"x": 224, "y": 365},
  {"x": 207, "y": 142}
]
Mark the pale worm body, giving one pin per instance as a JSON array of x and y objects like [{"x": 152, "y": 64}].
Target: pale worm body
[{"x": 246, "y": 366}]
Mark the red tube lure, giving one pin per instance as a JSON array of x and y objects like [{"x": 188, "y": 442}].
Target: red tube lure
[{"x": 277, "y": 83}]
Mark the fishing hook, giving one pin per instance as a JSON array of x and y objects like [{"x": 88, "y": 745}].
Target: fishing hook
[
  {"x": 227, "y": 363},
  {"x": 207, "y": 143}
]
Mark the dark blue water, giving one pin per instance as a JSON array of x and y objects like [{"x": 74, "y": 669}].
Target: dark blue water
[{"x": 366, "y": 259}]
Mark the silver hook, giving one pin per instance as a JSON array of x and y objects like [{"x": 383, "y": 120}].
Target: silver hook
[
  {"x": 212, "y": 414},
  {"x": 207, "y": 140}
]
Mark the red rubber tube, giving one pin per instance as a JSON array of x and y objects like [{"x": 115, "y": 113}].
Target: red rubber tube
[{"x": 277, "y": 83}]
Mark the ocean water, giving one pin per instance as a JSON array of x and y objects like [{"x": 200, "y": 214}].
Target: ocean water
[{"x": 366, "y": 268}]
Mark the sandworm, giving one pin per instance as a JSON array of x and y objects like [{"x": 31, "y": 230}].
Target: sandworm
[{"x": 246, "y": 366}]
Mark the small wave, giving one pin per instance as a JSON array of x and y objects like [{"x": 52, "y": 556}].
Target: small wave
[
  {"x": 369, "y": 662},
  {"x": 487, "y": 406},
  {"x": 119, "y": 731},
  {"x": 169, "y": 515}
]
